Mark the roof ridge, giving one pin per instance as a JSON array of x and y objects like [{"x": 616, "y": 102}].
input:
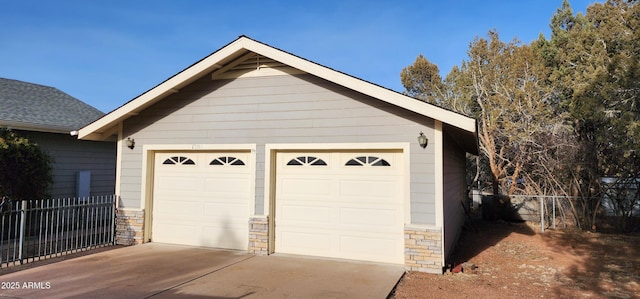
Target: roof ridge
[{"x": 26, "y": 82}]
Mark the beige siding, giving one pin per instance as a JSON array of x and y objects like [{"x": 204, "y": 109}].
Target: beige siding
[
  {"x": 454, "y": 192},
  {"x": 71, "y": 156},
  {"x": 278, "y": 109}
]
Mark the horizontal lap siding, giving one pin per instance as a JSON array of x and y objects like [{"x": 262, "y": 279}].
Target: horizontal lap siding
[
  {"x": 71, "y": 156},
  {"x": 130, "y": 177},
  {"x": 455, "y": 189},
  {"x": 278, "y": 109}
]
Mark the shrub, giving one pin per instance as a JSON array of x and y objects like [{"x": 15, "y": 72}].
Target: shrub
[{"x": 25, "y": 169}]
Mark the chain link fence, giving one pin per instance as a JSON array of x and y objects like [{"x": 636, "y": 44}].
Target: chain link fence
[{"x": 550, "y": 211}]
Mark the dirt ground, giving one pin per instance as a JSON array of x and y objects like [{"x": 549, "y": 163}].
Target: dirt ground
[{"x": 516, "y": 260}]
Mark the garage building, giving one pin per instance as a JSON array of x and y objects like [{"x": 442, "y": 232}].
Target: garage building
[{"x": 254, "y": 148}]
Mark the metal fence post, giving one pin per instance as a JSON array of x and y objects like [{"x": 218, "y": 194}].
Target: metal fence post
[
  {"x": 114, "y": 215},
  {"x": 542, "y": 214},
  {"x": 554, "y": 212},
  {"x": 23, "y": 222}
]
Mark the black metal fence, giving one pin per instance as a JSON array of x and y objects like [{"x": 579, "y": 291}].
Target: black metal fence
[{"x": 33, "y": 230}]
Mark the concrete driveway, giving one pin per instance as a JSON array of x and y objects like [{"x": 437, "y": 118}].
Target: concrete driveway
[{"x": 171, "y": 271}]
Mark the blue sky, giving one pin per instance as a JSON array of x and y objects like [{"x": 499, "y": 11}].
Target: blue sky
[{"x": 107, "y": 52}]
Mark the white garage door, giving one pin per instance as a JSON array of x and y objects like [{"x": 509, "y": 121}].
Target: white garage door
[
  {"x": 202, "y": 199},
  {"x": 341, "y": 205}
]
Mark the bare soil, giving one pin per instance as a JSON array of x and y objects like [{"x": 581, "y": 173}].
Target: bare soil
[{"x": 516, "y": 260}]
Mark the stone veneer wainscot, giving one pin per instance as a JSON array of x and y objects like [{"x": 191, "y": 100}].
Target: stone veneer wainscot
[
  {"x": 259, "y": 235},
  {"x": 423, "y": 249},
  {"x": 129, "y": 227}
]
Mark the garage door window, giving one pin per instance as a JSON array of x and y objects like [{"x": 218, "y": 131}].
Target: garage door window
[
  {"x": 221, "y": 161},
  {"x": 367, "y": 161},
  {"x": 178, "y": 160},
  {"x": 307, "y": 160}
]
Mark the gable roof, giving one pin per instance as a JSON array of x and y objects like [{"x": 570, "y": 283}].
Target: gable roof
[
  {"x": 229, "y": 57},
  {"x": 34, "y": 107}
]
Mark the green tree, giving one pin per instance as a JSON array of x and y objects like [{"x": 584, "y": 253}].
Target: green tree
[
  {"x": 502, "y": 83},
  {"x": 422, "y": 80},
  {"x": 558, "y": 114},
  {"x": 595, "y": 73},
  {"x": 25, "y": 171}
]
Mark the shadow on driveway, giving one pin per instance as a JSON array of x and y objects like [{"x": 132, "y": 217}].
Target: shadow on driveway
[{"x": 171, "y": 271}]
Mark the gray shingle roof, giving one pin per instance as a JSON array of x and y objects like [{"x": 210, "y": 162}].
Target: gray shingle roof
[{"x": 29, "y": 106}]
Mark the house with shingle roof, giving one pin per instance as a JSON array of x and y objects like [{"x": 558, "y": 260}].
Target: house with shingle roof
[{"x": 47, "y": 116}]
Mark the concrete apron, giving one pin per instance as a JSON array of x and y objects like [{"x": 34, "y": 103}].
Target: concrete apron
[{"x": 168, "y": 271}]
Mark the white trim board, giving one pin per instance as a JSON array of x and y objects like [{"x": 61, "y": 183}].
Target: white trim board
[{"x": 439, "y": 180}]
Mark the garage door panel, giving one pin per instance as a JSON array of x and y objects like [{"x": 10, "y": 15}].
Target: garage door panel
[
  {"x": 309, "y": 241},
  {"x": 176, "y": 183},
  {"x": 224, "y": 237},
  {"x": 176, "y": 207},
  {"x": 225, "y": 210},
  {"x": 306, "y": 187},
  {"x": 234, "y": 185},
  {"x": 369, "y": 218},
  {"x": 371, "y": 249},
  {"x": 202, "y": 204},
  {"x": 177, "y": 232},
  {"x": 341, "y": 211},
  {"x": 367, "y": 245},
  {"x": 305, "y": 214},
  {"x": 374, "y": 189}
]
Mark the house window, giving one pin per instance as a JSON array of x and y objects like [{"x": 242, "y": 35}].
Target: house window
[
  {"x": 367, "y": 161},
  {"x": 233, "y": 161},
  {"x": 178, "y": 160},
  {"x": 307, "y": 160}
]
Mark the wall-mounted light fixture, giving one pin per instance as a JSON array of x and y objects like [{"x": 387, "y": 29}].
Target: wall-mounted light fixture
[
  {"x": 423, "y": 140},
  {"x": 131, "y": 143}
]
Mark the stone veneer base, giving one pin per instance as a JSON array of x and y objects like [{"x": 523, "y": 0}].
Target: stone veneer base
[
  {"x": 129, "y": 227},
  {"x": 259, "y": 235},
  {"x": 423, "y": 249}
]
